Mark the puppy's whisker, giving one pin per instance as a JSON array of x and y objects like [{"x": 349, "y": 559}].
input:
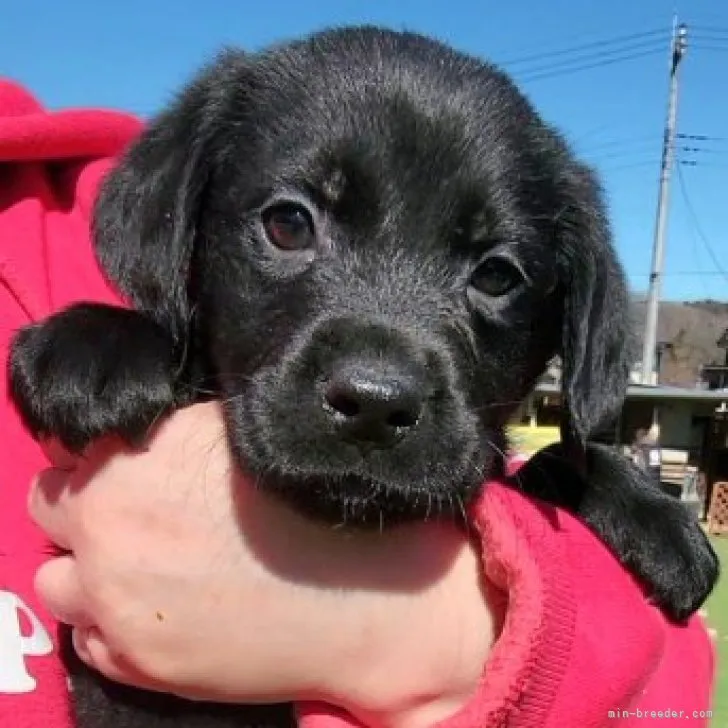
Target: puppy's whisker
[
  {"x": 497, "y": 405},
  {"x": 231, "y": 399},
  {"x": 161, "y": 413},
  {"x": 504, "y": 457},
  {"x": 238, "y": 376},
  {"x": 202, "y": 390},
  {"x": 495, "y": 447},
  {"x": 463, "y": 513},
  {"x": 344, "y": 516}
]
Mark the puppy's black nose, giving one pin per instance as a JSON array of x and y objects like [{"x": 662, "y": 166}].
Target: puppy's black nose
[{"x": 374, "y": 405}]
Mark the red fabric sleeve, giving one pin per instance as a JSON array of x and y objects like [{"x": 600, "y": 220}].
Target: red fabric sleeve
[
  {"x": 50, "y": 167},
  {"x": 581, "y": 647}
]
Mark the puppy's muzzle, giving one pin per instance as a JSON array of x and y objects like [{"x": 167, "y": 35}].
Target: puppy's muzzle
[
  {"x": 375, "y": 403},
  {"x": 369, "y": 384},
  {"x": 366, "y": 419}
]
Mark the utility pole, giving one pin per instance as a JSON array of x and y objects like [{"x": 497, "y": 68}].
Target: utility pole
[{"x": 678, "y": 48}]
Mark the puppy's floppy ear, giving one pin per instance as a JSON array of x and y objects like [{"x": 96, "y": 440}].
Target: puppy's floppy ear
[
  {"x": 145, "y": 221},
  {"x": 597, "y": 340}
]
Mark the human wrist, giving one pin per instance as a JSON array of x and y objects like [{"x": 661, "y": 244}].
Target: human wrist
[{"x": 413, "y": 653}]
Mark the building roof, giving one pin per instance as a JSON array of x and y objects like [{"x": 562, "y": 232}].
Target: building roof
[{"x": 641, "y": 391}]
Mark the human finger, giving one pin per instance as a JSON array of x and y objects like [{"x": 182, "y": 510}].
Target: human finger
[
  {"x": 58, "y": 585},
  {"x": 94, "y": 651},
  {"x": 47, "y": 505}
]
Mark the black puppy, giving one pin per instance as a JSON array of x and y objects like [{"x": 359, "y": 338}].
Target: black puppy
[{"x": 370, "y": 246}]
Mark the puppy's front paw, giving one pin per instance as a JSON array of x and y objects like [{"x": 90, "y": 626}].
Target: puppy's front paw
[
  {"x": 653, "y": 535},
  {"x": 674, "y": 558},
  {"x": 89, "y": 371}
]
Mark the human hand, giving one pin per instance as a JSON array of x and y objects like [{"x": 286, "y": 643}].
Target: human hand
[{"x": 183, "y": 577}]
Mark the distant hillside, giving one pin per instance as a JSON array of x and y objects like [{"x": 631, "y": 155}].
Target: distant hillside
[{"x": 693, "y": 329}]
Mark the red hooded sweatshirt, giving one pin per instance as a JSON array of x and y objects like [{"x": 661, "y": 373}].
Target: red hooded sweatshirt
[{"x": 580, "y": 647}]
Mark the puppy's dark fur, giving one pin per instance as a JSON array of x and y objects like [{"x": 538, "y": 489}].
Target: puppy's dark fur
[{"x": 451, "y": 245}]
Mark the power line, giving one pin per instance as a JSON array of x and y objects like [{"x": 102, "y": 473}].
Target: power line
[
  {"x": 702, "y": 31},
  {"x": 696, "y": 156},
  {"x": 582, "y": 140},
  {"x": 708, "y": 37},
  {"x": 620, "y": 153},
  {"x": 701, "y": 138},
  {"x": 685, "y": 273},
  {"x": 711, "y": 42},
  {"x": 711, "y": 39},
  {"x": 697, "y": 226},
  {"x": 582, "y": 47},
  {"x": 553, "y": 73},
  {"x": 709, "y": 29},
  {"x": 585, "y": 56},
  {"x": 588, "y": 57},
  {"x": 711, "y": 48},
  {"x": 654, "y": 163},
  {"x": 695, "y": 246},
  {"x": 609, "y": 143},
  {"x": 704, "y": 151},
  {"x": 703, "y": 165}
]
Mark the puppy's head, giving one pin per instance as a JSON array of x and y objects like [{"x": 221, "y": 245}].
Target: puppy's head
[{"x": 374, "y": 246}]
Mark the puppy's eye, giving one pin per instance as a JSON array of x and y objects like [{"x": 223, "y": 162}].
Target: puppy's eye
[
  {"x": 289, "y": 227},
  {"x": 496, "y": 276}
]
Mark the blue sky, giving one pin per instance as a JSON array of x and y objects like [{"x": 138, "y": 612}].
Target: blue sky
[{"x": 134, "y": 54}]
